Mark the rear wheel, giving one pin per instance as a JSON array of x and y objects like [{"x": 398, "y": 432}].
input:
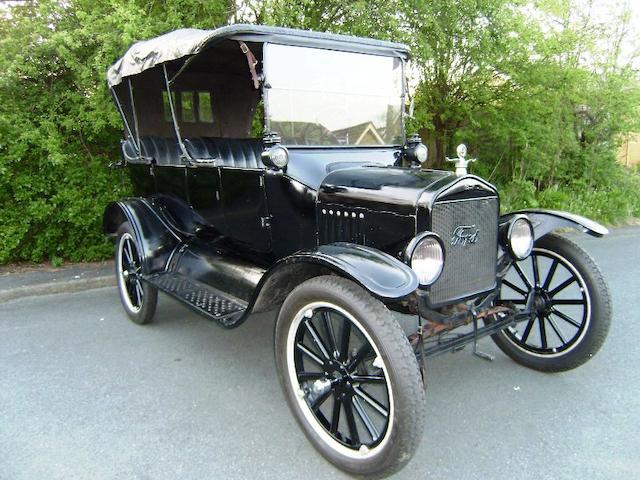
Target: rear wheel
[
  {"x": 138, "y": 298},
  {"x": 350, "y": 376},
  {"x": 571, "y": 302}
]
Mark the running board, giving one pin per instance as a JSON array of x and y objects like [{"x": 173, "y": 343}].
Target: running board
[{"x": 201, "y": 298}]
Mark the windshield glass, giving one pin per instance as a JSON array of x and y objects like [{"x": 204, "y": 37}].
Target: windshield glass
[{"x": 326, "y": 97}]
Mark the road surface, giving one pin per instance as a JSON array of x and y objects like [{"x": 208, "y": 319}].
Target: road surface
[{"x": 86, "y": 394}]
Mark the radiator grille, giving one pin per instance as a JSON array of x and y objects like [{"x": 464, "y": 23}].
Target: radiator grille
[{"x": 469, "y": 231}]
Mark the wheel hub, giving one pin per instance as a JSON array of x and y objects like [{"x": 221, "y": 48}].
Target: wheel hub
[
  {"x": 130, "y": 274},
  {"x": 337, "y": 371},
  {"x": 541, "y": 300}
]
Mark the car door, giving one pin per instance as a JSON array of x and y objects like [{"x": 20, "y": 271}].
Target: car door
[
  {"x": 205, "y": 197},
  {"x": 170, "y": 173},
  {"x": 245, "y": 207}
]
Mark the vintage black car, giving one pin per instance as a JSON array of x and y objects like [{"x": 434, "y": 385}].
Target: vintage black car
[{"x": 272, "y": 171}]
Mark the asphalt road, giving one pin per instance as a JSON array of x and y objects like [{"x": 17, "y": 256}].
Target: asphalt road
[{"x": 86, "y": 394}]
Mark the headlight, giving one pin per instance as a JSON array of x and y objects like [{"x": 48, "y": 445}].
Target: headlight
[
  {"x": 415, "y": 151},
  {"x": 421, "y": 152},
  {"x": 426, "y": 257},
  {"x": 520, "y": 238},
  {"x": 276, "y": 156}
]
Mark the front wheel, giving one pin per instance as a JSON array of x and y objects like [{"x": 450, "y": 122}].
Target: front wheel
[
  {"x": 570, "y": 301},
  {"x": 349, "y": 376}
]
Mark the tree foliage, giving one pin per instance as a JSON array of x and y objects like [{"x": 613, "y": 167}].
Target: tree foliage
[
  {"x": 550, "y": 131},
  {"x": 466, "y": 49},
  {"x": 540, "y": 91},
  {"x": 58, "y": 126}
]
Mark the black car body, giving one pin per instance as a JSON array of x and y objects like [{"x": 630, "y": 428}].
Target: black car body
[{"x": 231, "y": 224}]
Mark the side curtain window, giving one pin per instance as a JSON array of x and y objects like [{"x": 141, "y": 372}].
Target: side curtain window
[{"x": 190, "y": 106}]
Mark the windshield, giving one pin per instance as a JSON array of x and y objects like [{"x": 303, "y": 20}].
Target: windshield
[{"x": 326, "y": 97}]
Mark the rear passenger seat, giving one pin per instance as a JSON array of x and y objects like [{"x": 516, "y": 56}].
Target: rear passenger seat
[
  {"x": 231, "y": 152},
  {"x": 165, "y": 151}
]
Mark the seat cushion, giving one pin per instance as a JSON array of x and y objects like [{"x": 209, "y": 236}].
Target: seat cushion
[
  {"x": 230, "y": 152},
  {"x": 129, "y": 151},
  {"x": 165, "y": 151}
]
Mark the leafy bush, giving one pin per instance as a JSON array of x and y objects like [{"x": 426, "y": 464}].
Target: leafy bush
[
  {"x": 611, "y": 204},
  {"x": 59, "y": 128}
]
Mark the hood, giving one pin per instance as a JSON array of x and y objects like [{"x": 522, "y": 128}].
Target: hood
[{"x": 399, "y": 190}]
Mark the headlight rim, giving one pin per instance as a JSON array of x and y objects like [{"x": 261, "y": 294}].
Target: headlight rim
[
  {"x": 268, "y": 156},
  {"x": 423, "y": 148},
  {"x": 410, "y": 150},
  {"x": 512, "y": 224},
  {"x": 413, "y": 244}
]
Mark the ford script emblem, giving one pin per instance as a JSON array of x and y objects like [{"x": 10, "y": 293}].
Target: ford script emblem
[{"x": 464, "y": 235}]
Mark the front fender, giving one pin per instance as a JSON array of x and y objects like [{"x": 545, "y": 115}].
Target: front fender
[
  {"x": 154, "y": 238},
  {"x": 381, "y": 274},
  {"x": 545, "y": 221}
]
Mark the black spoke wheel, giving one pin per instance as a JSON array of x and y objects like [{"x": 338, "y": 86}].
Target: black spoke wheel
[
  {"x": 350, "y": 376},
  {"x": 341, "y": 377},
  {"x": 570, "y": 304},
  {"x": 138, "y": 298}
]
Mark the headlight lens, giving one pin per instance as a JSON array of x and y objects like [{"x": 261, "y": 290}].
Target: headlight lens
[
  {"x": 279, "y": 156},
  {"x": 521, "y": 238},
  {"x": 421, "y": 153},
  {"x": 427, "y": 259}
]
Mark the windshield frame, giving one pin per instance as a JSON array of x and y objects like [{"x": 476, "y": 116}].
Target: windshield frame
[{"x": 265, "y": 87}]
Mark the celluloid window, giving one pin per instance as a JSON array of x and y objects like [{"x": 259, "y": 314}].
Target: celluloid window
[
  {"x": 205, "y": 110},
  {"x": 188, "y": 112},
  {"x": 326, "y": 97}
]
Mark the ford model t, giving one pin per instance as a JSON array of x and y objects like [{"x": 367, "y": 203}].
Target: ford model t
[{"x": 272, "y": 171}]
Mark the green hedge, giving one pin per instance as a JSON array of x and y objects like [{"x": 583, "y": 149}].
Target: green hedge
[
  {"x": 611, "y": 205},
  {"x": 59, "y": 129}
]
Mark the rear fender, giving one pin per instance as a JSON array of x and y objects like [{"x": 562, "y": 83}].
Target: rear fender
[
  {"x": 154, "y": 238},
  {"x": 382, "y": 275},
  {"x": 545, "y": 221}
]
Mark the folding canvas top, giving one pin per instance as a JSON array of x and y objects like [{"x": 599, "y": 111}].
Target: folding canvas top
[{"x": 190, "y": 41}]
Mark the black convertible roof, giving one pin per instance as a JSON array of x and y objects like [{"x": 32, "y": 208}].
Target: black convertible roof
[{"x": 191, "y": 41}]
